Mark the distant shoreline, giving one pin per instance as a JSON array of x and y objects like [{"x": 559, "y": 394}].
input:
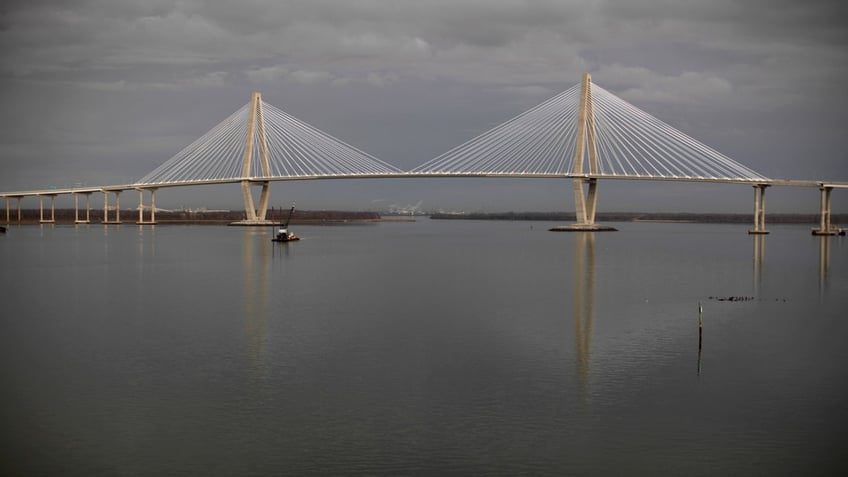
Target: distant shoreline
[
  {"x": 216, "y": 217},
  {"x": 664, "y": 217},
  {"x": 335, "y": 217}
]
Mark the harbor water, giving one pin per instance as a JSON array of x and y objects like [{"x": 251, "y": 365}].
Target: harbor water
[{"x": 434, "y": 347}]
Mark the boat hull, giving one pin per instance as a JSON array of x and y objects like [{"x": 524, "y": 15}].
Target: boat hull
[{"x": 289, "y": 238}]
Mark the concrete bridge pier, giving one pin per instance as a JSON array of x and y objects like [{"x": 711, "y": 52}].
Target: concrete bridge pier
[
  {"x": 254, "y": 215},
  {"x": 117, "y": 207},
  {"x": 8, "y": 211},
  {"x": 52, "y": 219},
  {"x": 825, "y": 226},
  {"x": 586, "y": 205},
  {"x": 87, "y": 219},
  {"x": 759, "y": 210},
  {"x": 141, "y": 207}
]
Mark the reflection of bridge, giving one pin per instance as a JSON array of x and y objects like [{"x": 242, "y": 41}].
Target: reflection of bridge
[{"x": 584, "y": 134}]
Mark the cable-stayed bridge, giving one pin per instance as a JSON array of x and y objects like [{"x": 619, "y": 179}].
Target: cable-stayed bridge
[{"x": 585, "y": 134}]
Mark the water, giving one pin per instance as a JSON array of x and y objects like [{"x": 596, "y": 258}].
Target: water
[{"x": 434, "y": 347}]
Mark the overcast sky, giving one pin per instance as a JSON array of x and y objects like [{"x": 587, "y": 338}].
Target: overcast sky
[{"x": 102, "y": 91}]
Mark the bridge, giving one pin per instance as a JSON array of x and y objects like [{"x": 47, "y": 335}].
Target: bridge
[{"x": 584, "y": 134}]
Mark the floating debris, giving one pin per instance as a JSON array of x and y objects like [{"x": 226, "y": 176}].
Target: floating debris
[
  {"x": 732, "y": 298},
  {"x": 741, "y": 298}
]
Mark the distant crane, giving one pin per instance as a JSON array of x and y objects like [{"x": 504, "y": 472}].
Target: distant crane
[{"x": 283, "y": 234}]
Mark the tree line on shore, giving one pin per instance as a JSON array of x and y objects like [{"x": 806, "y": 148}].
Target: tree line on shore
[{"x": 644, "y": 216}]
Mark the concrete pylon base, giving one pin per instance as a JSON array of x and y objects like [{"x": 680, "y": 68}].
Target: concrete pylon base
[
  {"x": 253, "y": 223},
  {"x": 583, "y": 228},
  {"x": 829, "y": 232}
]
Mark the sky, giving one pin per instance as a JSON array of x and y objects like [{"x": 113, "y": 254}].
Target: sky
[{"x": 100, "y": 92}]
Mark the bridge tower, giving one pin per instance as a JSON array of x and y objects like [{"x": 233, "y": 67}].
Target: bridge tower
[
  {"x": 585, "y": 198},
  {"x": 255, "y": 137}
]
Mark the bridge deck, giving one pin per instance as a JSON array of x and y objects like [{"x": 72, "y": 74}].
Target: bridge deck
[{"x": 418, "y": 175}]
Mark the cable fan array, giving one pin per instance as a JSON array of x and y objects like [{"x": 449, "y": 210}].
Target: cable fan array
[
  {"x": 630, "y": 143},
  {"x": 214, "y": 156},
  {"x": 538, "y": 142},
  {"x": 294, "y": 149},
  {"x": 298, "y": 149}
]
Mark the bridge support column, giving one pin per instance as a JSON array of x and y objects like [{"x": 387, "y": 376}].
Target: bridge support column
[
  {"x": 117, "y": 207},
  {"x": 759, "y": 210},
  {"x": 825, "y": 226},
  {"x": 264, "y": 197},
  {"x": 585, "y": 202},
  {"x": 52, "y": 218},
  {"x": 249, "y": 208},
  {"x": 141, "y": 207},
  {"x": 53, "y": 208},
  {"x": 591, "y": 201},
  {"x": 254, "y": 215},
  {"x": 87, "y": 219},
  {"x": 255, "y": 133}
]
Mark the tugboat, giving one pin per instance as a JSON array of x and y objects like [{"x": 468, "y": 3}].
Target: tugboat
[{"x": 282, "y": 234}]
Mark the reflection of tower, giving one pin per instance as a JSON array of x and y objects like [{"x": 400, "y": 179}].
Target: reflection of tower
[
  {"x": 584, "y": 301},
  {"x": 759, "y": 254},
  {"x": 824, "y": 261},
  {"x": 255, "y": 300}
]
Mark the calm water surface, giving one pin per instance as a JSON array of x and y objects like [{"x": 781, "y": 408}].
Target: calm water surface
[{"x": 433, "y": 347}]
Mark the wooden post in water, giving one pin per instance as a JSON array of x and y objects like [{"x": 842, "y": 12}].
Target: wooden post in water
[{"x": 700, "y": 334}]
